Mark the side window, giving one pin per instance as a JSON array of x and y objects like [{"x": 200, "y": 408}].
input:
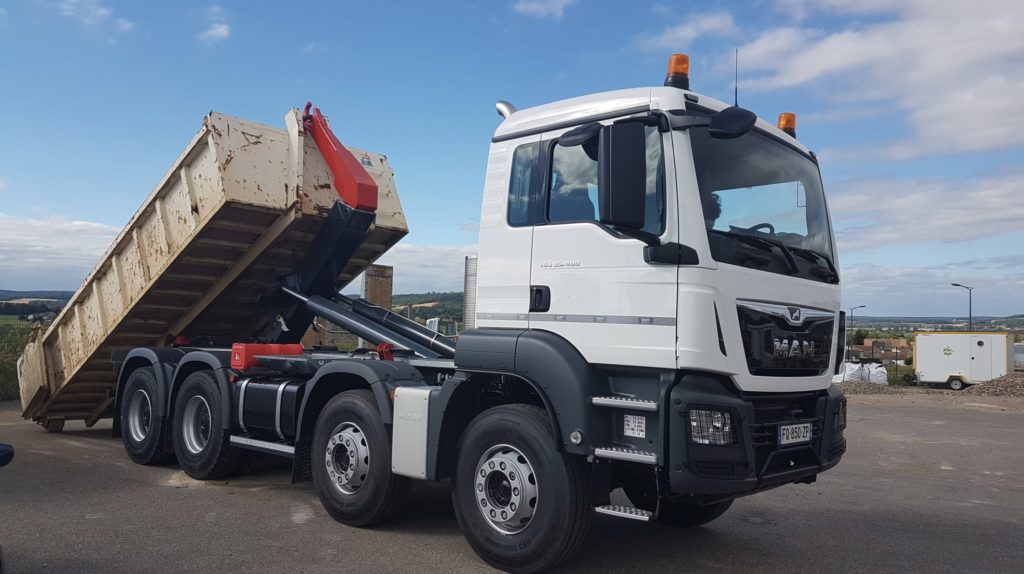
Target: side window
[
  {"x": 572, "y": 193},
  {"x": 654, "y": 205},
  {"x": 524, "y": 162}
]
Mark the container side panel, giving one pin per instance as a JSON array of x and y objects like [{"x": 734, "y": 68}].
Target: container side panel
[
  {"x": 180, "y": 220},
  {"x": 93, "y": 323},
  {"x": 31, "y": 371},
  {"x": 253, "y": 160}
]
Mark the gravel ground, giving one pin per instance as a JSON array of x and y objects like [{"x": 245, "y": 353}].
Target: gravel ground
[
  {"x": 1011, "y": 385},
  {"x": 928, "y": 486}
]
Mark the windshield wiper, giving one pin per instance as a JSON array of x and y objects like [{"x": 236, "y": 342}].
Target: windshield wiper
[
  {"x": 790, "y": 260},
  {"x": 812, "y": 255}
]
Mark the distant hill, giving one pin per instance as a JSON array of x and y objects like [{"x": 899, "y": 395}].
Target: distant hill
[
  {"x": 61, "y": 296},
  {"x": 428, "y": 305}
]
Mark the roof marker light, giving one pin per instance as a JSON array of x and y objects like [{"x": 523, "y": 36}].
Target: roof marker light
[
  {"x": 678, "y": 71},
  {"x": 787, "y": 123}
]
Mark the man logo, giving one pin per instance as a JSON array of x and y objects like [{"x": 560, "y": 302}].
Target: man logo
[{"x": 794, "y": 314}]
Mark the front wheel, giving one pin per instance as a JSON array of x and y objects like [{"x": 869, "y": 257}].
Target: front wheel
[
  {"x": 351, "y": 461},
  {"x": 522, "y": 504}
]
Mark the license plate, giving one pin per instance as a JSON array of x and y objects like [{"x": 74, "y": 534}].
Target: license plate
[{"x": 793, "y": 434}]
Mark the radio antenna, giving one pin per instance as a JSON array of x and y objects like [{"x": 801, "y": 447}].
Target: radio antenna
[{"x": 736, "y": 85}]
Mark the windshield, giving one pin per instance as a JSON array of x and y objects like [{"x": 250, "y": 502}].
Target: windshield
[{"x": 763, "y": 205}]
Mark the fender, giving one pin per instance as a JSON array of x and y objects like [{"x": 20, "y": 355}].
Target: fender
[
  {"x": 338, "y": 376},
  {"x": 553, "y": 366},
  {"x": 162, "y": 359},
  {"x": 216, "y": 360},
  {"x": 378, "y": 376}
]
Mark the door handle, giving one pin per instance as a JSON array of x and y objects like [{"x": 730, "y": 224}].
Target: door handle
[{"x": 540, "y": 298}]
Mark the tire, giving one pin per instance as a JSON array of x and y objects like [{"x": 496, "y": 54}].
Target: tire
[
  {"x": 200, "y": 442},
  {"x": 688, "y": 515},
  {"x": 356, "y": 487},
  {"x": 956, "y": 384},
  {"x": 143, "y": 431},
  {"x": 510, "y": 445},
  {"x": 53, "y": 425}
]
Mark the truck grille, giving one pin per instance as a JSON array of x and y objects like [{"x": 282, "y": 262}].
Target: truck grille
[{"x": 778, "y": 347}]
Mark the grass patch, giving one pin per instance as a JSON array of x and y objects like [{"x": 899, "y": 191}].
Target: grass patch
[{"x": 14, "y": 334}]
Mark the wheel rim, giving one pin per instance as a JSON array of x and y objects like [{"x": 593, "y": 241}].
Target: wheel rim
[
  {"x": 348, "y": 458},
  {"x": 505, "y": 487},
  {"x": 196, "y": 424},
  {"x": 956, "y": 384},
  {"x": 140, "y": 415}
]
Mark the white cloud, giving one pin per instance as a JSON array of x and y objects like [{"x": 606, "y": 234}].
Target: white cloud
[
  {"x": 217, "y": 29},
  {"x": 681, "y": 35},
  {"x": 542, "y": 8},
  {"x": 925, "y": 291},
  {"x": 93, "y": 14},
  {"x": 52, "y": 253},
  {"x": 886, "y": 211},
  {"x": 214, "y": 33},
  {"x": 421, "y": 268},
  {"x": 122, "y": 25},
  {"x": 955, "y": 68}
]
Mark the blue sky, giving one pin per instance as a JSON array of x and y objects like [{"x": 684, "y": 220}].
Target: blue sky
[{"x": 912, "y": 105}]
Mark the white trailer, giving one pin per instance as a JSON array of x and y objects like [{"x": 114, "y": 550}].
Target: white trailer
[{"x": 960, "y": 359}]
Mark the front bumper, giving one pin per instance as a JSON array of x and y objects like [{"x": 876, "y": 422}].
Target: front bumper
[{"x": 755, "y": 461}]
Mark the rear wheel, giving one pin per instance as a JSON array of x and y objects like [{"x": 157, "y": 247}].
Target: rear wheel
[
  {"x": 200, "y": 441},
  {"x": 522, "y": 504},
  {"x": 351, "y": 461},
  {"x": 956, "y": 384},
  {"x": 142, "y": 426}
]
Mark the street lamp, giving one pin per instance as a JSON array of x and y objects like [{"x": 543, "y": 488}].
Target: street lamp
[
  {"x": 970, "y": 305},
  {"x": 849, "y": 328}
]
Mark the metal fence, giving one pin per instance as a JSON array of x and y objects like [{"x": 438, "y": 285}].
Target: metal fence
[{"x": 14, "y": 333}]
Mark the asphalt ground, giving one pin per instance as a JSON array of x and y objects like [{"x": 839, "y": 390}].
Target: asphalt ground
[{"x": 927, "y": 485}]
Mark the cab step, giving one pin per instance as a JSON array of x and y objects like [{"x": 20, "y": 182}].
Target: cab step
[
  {"x": 626, "y": 454},
  {"x": 620, "y": 402},
  {"x": 625, "y": 512}
]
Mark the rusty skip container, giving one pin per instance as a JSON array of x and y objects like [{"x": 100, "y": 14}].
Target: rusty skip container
[{"x": 238, "y": 209}]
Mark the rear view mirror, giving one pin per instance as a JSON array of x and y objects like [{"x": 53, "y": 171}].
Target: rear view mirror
[
  {"x": 622, "y": 179},
  {"x": 731, "y": 123}
]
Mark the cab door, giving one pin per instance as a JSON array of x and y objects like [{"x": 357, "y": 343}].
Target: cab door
[
  {"x": 506, "y": 233},
  {"x": 589, "y": 283}
]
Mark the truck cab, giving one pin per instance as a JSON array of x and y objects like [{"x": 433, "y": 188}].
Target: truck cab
[{"x": 711, "y": 313}]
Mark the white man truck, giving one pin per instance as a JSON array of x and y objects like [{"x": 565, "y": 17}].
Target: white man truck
[{"x": 658, "y": 310}]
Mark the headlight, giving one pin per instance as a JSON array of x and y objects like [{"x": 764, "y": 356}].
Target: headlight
[
  {"x": 840, "y": 422},
  {"x": 709, "y": 426}
]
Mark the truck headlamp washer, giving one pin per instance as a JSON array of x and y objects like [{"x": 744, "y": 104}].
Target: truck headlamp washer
[
  {"x": 506, "y": 488},
  {"x": 348, "y": 457},
  {"x": 140, "y": 415},
  {"x": 196, "y": 424}
]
